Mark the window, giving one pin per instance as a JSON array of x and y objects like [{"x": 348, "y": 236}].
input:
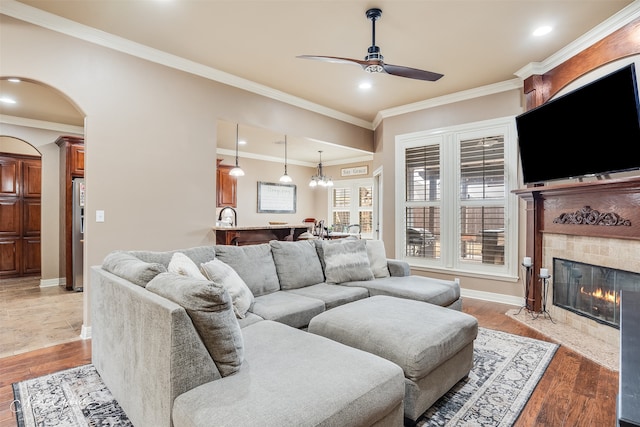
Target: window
[
  {"x": 454, "y": 198},
  {"x": 351, "y": 203}
]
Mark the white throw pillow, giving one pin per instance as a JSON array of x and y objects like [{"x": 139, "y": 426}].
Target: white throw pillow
[
  {"x": 377, "y": 258},
  {"x": 224, "y": 275},
  {"x": 183, "y": 265}
]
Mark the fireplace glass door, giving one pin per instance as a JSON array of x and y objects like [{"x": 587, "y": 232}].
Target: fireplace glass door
[{"x": 590, "y": 290}]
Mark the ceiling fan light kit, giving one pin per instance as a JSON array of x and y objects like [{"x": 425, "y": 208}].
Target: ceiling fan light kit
[{"x": 373, "y": 61}]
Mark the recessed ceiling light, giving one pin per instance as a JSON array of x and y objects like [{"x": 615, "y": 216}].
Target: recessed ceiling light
[
  {"x": 6, "y": 100},
  {"x": 365, "y": 85},
  {"x": 14, "y": 80},
  {"x": 242, "y": 142},
  {"x": 541, "y": 31}
]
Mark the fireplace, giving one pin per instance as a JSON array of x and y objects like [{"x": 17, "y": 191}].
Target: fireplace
[{"x": 590, "y": 290}]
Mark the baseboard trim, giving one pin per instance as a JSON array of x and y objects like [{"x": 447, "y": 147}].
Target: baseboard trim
[
  {"x": 48, "y": 283},
  {"x": 491, "y": 296},
  {"x": 85, "y": 332}
]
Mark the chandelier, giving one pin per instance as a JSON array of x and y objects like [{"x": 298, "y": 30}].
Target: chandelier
[{"x": 319, "y": 178}]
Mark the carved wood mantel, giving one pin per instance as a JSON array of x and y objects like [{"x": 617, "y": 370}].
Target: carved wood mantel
[{"x": 607, "y": 208}]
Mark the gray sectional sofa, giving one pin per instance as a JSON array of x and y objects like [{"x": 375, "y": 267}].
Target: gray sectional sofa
[{"x": 179, "y": 348}]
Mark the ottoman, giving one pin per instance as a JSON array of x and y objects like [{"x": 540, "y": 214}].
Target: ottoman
[{"x": 433, "y": 345}]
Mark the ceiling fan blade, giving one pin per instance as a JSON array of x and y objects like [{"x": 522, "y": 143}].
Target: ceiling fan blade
[
  {"x": 373, "y": 62},
  {"x": 334, "y": 59},
  {"x": 412, "y": 73}
]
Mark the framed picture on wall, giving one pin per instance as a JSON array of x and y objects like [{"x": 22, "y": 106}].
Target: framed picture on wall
[{"x": 276, "y": 198}]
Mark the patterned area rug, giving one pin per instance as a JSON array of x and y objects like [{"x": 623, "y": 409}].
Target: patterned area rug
[
  {"x": 69, "y": 398},
  {"x": 506, "y": 370}
]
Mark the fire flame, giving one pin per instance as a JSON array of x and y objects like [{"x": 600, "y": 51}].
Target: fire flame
[{"x": 608, "y": 296}]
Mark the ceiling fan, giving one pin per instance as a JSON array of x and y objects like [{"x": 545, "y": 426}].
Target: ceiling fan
[{"x": 373, "y": 62}]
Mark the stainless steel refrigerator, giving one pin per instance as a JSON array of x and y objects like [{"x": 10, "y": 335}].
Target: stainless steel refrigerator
[{"x": 77, "y": 234}]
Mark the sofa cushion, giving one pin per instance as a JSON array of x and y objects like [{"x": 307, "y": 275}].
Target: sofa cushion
[
  {"x": 132, "y": 268},
  {"x": 297, "y": 264},
  {"x": 297, "y": 379},
  {"x": 346, "y": 262},
  {"x": 377, "y": 258},
  {"x": 183, "y": 265},
  {"x": 254, "y": 263},
  {"x": 419, "y": 288},
  {"x": 332, "y": 295},
  {"x": 222, "y": 274},
  {"x": 288, "y": 308},
  {"x": 209, "y": 306}
]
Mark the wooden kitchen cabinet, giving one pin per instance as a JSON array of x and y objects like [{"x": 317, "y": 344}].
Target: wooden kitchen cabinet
[
  {"x": 76, "y": 159},
  {"x": 20, "y": 206},
  {"x": 226, "y": 186}
]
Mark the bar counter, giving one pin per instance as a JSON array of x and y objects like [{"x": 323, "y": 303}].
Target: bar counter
[{"x": 253, "y": 235}]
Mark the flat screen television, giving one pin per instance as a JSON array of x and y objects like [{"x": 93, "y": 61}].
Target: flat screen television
[{"x": 593, "y": 130}]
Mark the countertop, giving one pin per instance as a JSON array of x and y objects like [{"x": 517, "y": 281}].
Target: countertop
[{"x": 261, "y": 227}]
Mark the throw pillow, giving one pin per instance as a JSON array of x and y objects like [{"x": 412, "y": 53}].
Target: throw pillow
[
  {"x": 210, "y": 309},
  {"x": 221, "y": 274},
  {"x": 320, "y": 244},
  {"x": 254, "y": 263},
  {"x": 198, "y": 254},
  {"x": 297, "y": 264},
  {"x": 346, "y": 262},
  {"x": 182, "y": 264},
  {"x": 377, "y": 258},
  {"x": 131, "y": 268}
]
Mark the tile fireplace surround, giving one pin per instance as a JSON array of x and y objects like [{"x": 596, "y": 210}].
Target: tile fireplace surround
[
  {"x": 599, "y": 242},
  {"x": 612, "y": 253}
]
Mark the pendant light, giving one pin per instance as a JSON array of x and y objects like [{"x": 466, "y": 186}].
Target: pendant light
[
  {"x": 319, "y": 178},
  {"x": 285, "y": 177},
  {"x": 237, "y": 171}
]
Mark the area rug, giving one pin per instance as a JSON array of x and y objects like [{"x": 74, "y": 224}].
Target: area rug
[
  {"x": 506, "y": 370},
  {"x": 69, "y": 398}
]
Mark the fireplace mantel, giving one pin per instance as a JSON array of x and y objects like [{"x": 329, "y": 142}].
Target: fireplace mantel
[{"x": 608, "y": 208}]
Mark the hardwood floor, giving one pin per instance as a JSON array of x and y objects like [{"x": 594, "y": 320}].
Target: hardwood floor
[{"x": 574, "y": 391}]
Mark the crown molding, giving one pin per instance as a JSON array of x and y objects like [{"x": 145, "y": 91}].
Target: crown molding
[
  {"x": 55, "y": 23},
  {"x": 448, "y": 99},
  {"x": 65, "y": 26},
  {"x": 262, "y": 157},
  {"x": 41, "y": 124},
  {"x": 602, "y": 30}
]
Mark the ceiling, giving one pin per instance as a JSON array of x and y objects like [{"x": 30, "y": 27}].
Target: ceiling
[{"x": 474, "y": 43}]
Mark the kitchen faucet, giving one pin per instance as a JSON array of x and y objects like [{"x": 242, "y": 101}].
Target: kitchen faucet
[{"x": 235, "y": 215}]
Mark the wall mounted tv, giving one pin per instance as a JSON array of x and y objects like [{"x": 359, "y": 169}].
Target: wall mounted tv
[{"x": 593, "y": 130}]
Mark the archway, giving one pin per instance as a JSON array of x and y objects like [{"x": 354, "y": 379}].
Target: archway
[{"x": 41, "y": 115}]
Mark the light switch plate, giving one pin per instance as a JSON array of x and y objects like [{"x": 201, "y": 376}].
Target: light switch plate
[{"x": 99, "y": 216}]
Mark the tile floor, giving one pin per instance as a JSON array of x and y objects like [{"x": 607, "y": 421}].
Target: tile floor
[{"x": 32, "y": 317}]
